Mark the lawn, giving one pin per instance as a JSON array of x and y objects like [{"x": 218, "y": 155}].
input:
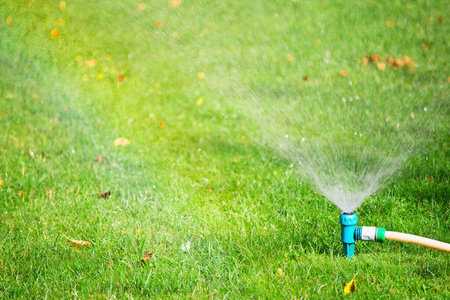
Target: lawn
[{"x": 203, "y": 91}]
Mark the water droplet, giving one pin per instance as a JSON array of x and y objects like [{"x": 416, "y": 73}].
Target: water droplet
[{"x": 303, "y": 139}]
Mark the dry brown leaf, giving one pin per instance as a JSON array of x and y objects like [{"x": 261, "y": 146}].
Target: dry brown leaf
[
  {"x": 55, "y": 33},
  {"x": 174, "y": 3},
  {"x": 158, "y": 24},
  {"x": 20, "y": 193},
  {"x": 343, "y": 73},
  {"x": 1, "y": 182},
  {"x": 381, "y": 66},
  {"x": 161, "y": 124},
  {"x": 408, "y": 61},
  {"x": 447, "y": 79},
  {"x": 79, "y": 243},
  {"x": 62, "y": 5},
  {"x": 147, "y": 257},
  {"x": 90, "y": 63},
  {"x": 142, "y": 6},
  {"x": 390, "y": 24},
  {"x": 121, "y": 142},
  {"x": 121, "y": 77},
  {"x": 305, "y": 79},
  {"x": 425, "y": 46},
  {"x": 105, "y": 194},
  {"x": 99, "y": 159},
  {"x": 289, "y": 57},
  {"x": 398, "y": 62}
]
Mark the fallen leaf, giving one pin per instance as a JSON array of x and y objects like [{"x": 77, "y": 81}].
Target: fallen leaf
[
  {"x": 9, "y": 20},
  {"x": 390, "y": 24},
  {"x": 20, "y": 193},
  {"x": 147, "y": 257},
  {"x": 280, "y": 272},
  {"x": 161, "y": 124},
  {"x": 201, "y": 75},
  {"x": 62, "y": 5},
  {"x": 381, "y": 66},
  {"x": 305, "y": 78},
  {"x": 376, "y": 57},
  {"x": 289, "y": 57},
  {"x": 142, "y": 6},
  {"x": 79, "y": 243},
  {"x": 121, "y": 142},
  {"x": 99, "y": 159},
  {"x": 158, "y": 24},
  {"x": 343, "y": 73},
  {"x": 425, "y": 46},
  {"x": 408, "y": 6},
  {"x": 105, "y": 194},
  {"x": 121, "y": 77},
  {"x": 1, "y": 182},
  {"x": 408, "y": 61},
  {"x": 200, "y": 101},
  {"x": 174, "y": 3},
  {"x": 398, "y": 62},
  {"x": 447, "y": 79},
  {"x": 441, "y": 20},
  {"x": 389, "y": 60},
  {"x": 54, "y": 33},
  {"x": 350, "y": 287},
  {"x": 100, "y": 76},
  {"x": 243, "y": 138},
  {"x": 78, "y": 58},
  {"x": 90, "y": 63},
  {"x": 60, "y": 22}
]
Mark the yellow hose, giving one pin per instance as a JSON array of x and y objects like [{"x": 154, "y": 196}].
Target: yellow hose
[{"x": 418, "y": 240}]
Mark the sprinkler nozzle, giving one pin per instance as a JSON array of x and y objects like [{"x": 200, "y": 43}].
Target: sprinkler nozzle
[{"x": 348, "y": 223}]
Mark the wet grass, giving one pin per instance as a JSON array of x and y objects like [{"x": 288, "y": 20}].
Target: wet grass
[{"x": 201, "y": 178}]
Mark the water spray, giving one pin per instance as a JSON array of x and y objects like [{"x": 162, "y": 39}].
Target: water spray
[{"x": 350, "y": 233}]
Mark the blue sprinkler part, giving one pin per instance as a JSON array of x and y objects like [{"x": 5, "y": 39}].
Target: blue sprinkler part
[{"x": 348, "y": 223}]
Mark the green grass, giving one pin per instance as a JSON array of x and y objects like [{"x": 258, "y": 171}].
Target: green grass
[{"x": 246, "y": 212}]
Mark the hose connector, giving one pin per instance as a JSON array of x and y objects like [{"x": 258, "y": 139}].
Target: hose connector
[
  {"x": 368, "y": 233},
  {"x": 348, "y": 223}
]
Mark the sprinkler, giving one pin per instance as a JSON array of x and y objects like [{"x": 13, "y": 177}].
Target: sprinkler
[{"x": 350, "y": 233}]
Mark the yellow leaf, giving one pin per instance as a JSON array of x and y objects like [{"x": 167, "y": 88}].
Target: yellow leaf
[
  {"x": 350, "y": 287},
  {"x": 289, "y": 57},
  {"x": 201, "y": 75},
  {"x": 1, "y": 182},
  {"x": 79, "y": 243},
  {"x": 90, "y": 63},
  {"x": 62, "y": 5},
  {"x": 142, "y": 6},
  {"x": 199, "y": 101},
  {"x": 343, "y": 73},
  {"x": 54, "y": 33},
  {"x": 174, "y": 3},
  {"x": 9, "y": 20},
  {"x": 280, "y": 272},
  {"x": 121, "y": 142}
]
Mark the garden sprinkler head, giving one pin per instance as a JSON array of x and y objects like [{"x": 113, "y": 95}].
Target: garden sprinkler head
[{"x": 348, "y": 223}]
